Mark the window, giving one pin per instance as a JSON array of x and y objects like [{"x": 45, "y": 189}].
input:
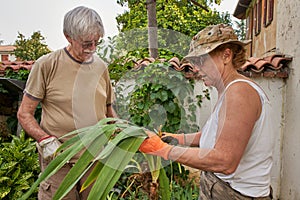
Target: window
[
  {"x": 249, "y": 27},
  {"x": 257, "y": 17},
  {"x": 268, "y": 12},
  {"x": 4, "y": 57}
]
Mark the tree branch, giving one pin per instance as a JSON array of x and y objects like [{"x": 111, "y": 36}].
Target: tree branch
[{"x": 198, "y": 4}]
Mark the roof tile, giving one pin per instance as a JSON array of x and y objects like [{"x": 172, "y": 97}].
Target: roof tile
[
  {"x": 270, "y": 67},
  {"x": 15, "y": 66},
  {"x": 7, "y": 48}
]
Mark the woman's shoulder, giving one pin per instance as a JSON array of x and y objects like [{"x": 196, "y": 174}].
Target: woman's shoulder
[
  {"x": 242, "y": 92},
  {"x": 246, "y": 85}
]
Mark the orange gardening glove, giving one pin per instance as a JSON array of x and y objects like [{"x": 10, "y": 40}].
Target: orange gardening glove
[
  {"x": 155, "y": 146},
  {"x": 174, "y": 139}
]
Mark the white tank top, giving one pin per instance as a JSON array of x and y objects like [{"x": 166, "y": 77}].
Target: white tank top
[{"x": 252, "y": 176}]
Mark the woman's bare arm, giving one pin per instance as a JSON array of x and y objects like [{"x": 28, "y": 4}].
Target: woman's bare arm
[{"x": 238, "y": 114}]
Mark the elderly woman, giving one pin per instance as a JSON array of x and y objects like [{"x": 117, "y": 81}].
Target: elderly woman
[{"x": 234, "y": 148}]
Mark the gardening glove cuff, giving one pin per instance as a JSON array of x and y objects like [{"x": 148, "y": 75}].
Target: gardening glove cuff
[
  {"x": 174, "y": 139},
  {"x": 47, "y": 147},
  {"x": 153, "y": 145}
]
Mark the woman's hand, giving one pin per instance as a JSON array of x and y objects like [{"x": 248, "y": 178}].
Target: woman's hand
[
  {"x": 173, "y": 139},
  {"x": 155, "y": 146}
]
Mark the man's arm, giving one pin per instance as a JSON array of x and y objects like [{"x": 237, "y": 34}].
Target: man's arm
[
  {"x": 111, "y": 112},
  {"x": 26, "y": 118}
]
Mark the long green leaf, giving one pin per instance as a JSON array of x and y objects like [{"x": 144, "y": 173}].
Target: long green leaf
[
  {"x": 54, "y": 166},
  {"x": 164, "y": 185},
  {"x": 126, "y": 133},
  {"x": 107, "y": 120},
  {"x": 133, "y": 148},
  {"x": 113, "y": 167},
  {"x": 83, "y": 164},
  {"x": 117, "y": 121},
  {"x": 154, "y": 163},
  {"x": 82, "y": 138},
  {"x": 102, "y": 122},
  {"x": 61, "y": 160},
  {"x": 93, "y": 176},
  {"x": 76, "y": 132},
  {"x": 79, "y": 135},
  {"x": 68, "y": 143}
]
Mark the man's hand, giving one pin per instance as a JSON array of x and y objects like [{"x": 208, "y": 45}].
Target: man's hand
[
  {"x": 47, "y": 147},
  {"x": 155, "y": 146},
  {"x": 173, "y": 139}
]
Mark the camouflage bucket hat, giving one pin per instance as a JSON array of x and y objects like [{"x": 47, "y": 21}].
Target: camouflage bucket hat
[{"x": 211, "y": 37}]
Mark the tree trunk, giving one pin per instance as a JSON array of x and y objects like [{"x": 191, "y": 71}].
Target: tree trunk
[{"x": 152, "y": 28}]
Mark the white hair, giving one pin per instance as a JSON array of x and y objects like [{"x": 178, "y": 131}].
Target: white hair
[{"x": 82, "y": 21}]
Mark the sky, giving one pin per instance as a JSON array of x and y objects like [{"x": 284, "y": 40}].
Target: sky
[{"x": 46, "y": 16}]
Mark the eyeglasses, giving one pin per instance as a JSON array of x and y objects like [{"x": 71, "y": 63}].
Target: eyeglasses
[
  {"x": 89, "y": 44},
  {"x": 197, "y": 60}
]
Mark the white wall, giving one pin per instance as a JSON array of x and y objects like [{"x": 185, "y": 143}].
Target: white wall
[
  {"x": 288, "y": 42},
  {"x": 12, "y": 57},
  {"x": 276, "y": 90}
]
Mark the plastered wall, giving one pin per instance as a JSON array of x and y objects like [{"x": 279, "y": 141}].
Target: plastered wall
[{"x": 288, "y": 41}]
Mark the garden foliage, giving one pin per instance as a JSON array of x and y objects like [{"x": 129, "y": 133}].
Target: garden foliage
[{"x": 19, "y": 167}]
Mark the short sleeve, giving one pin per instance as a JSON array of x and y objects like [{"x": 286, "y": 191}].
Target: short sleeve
[
  {"x": 109, "y": 90},
  {"x": 36, "y": 82}
]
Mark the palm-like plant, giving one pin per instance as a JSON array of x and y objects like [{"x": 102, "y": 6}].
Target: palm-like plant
[{"x": 109, "y": 145}]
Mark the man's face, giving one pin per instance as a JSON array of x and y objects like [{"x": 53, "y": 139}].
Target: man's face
[{"x": 83, "y": 49}]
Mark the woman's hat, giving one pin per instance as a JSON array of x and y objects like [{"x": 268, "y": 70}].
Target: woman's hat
[{"x": 211, "y": 37}]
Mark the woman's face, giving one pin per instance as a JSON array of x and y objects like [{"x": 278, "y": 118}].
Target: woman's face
[{"x": 210, "y": 70}]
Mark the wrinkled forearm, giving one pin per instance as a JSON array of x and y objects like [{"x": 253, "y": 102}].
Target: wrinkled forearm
[
  {"x": 30, "y": 125},
  {"x": 203, "y": 159},
  {"x": 192, "y": 139}
]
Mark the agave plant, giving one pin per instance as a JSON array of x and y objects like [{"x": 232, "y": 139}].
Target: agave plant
[{"x": 109, "y": 145}]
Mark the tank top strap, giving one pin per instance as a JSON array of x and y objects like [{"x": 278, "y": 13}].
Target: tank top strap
[{"x": 260, "y": 91}]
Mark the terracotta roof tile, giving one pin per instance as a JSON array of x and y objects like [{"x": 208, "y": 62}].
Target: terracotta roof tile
[
  {"x": 271, "y": 66},
  {"x": 175, "y": 63},
  {"x": 7, "y": 48},
  {"x": 15, "y": 66}
]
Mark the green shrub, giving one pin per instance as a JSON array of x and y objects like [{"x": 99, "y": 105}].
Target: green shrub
[
  {"x": 19, "y": 167},
  {"x": 159, "y": 95}
]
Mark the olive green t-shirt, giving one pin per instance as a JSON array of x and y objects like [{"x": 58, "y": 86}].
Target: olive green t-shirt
[{"x": 72, "y": 94}]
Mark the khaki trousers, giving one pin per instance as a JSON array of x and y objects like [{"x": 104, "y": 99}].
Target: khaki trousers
[
  {"x": 213, "y": 188},
  {"x": 48, "y": 187}
]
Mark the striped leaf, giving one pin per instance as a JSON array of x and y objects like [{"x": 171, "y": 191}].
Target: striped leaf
[
  {"x": 115, "y": 155},
  {"x": 124, "y": 134},
  {"x": 84, "y": 162},
  {"x": 93, "y": 176},
  {"x": 113, "y": 167}
]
